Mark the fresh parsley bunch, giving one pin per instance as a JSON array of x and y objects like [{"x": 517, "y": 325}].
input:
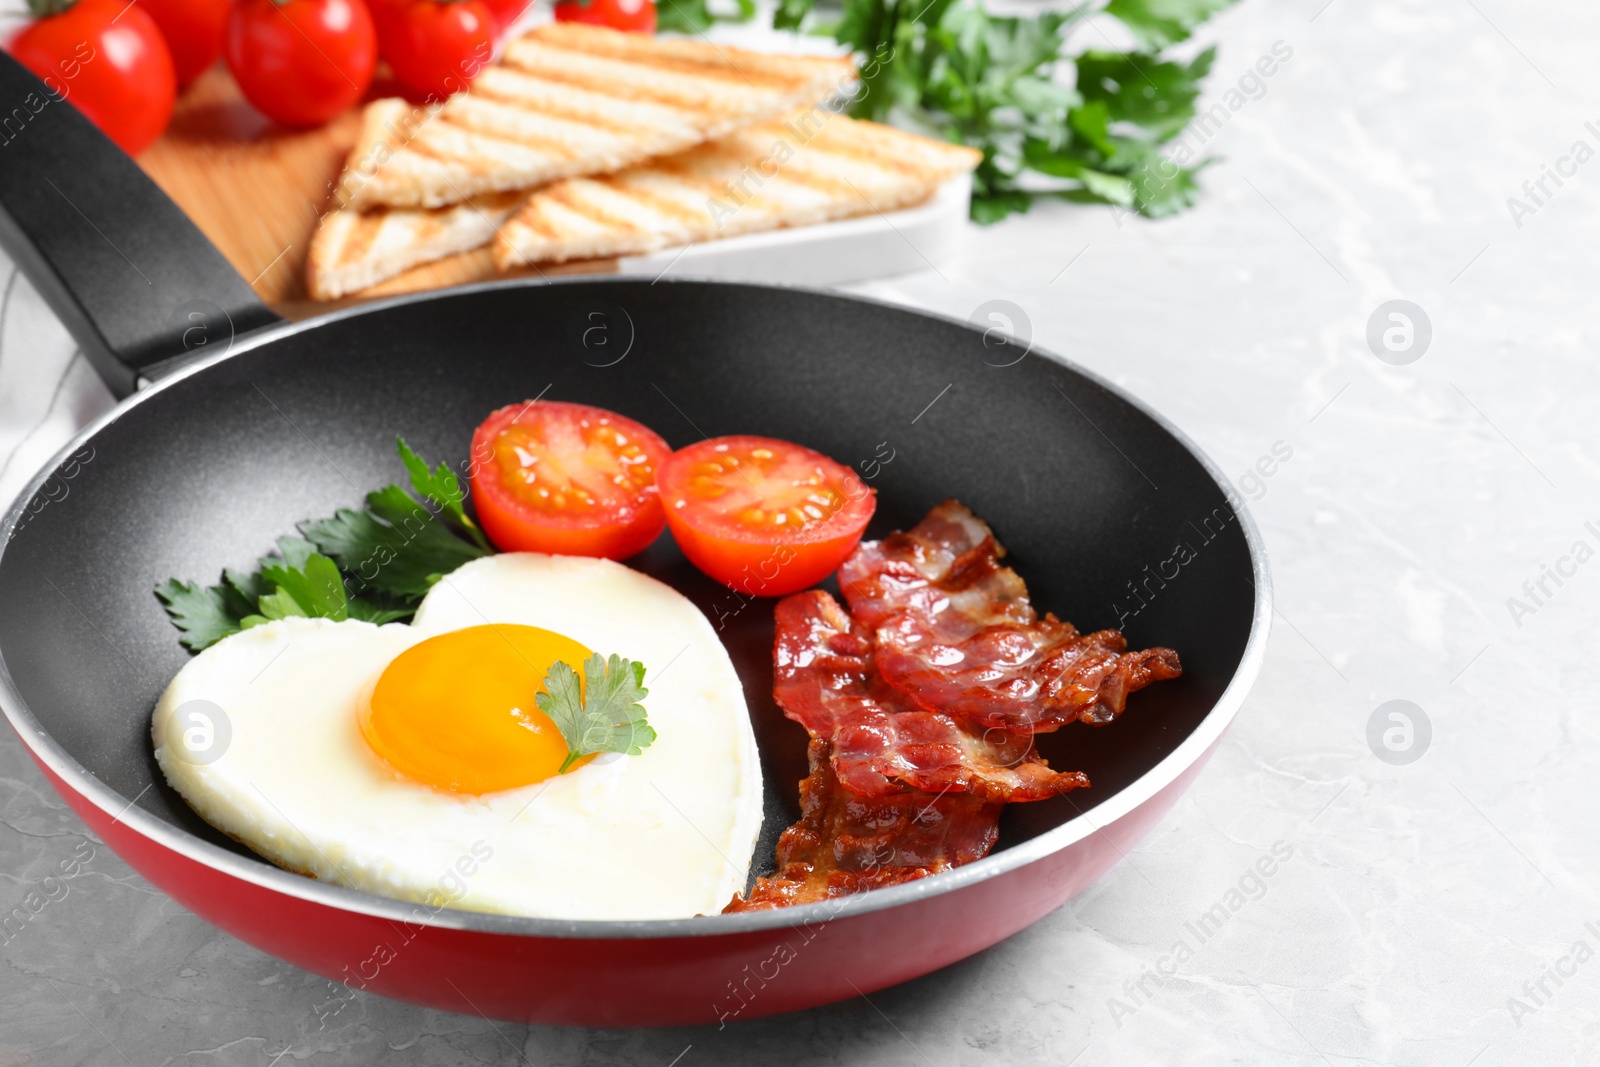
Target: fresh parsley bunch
[
  {"x": 374, "y": 563},
  {"x": 996, "y": 83},
  {"x": 950, "y": 69}
]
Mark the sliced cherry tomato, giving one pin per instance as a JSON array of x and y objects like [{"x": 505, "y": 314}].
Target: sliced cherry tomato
[
  {"x": 635, "y": 16},
  {"x": 109, "y": 61},
  {"x": 570, "y": 479},
  {"x": 193, "y": 30},
  {"x": 763, "y": 516},
  {"x": 436, "y": 47},
  {"x": 301, "y": 62}
]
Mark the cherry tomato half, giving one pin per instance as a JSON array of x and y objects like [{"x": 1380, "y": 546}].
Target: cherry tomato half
[
  {"x": 635, "y": 16},
  {"x": 763, "y": 516},
  {"x": 109, "y": 62},
  {"x": 549, "y": 476},
  {"x": 193, "y": 30},
  {"x": 436, "y": 47},
  {"x": 301, "y": 62}
]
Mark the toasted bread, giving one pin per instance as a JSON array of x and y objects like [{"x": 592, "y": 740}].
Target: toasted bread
[
  {"x": 811, "y": 167},
  {"x": 353, "y": 249},
  {"x": 569, "y": 99}
]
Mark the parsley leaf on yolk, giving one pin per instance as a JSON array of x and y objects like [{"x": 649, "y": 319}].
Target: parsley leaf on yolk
[{"x": 609, "y": 718}]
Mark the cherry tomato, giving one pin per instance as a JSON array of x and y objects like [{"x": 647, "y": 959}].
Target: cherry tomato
[
  {"x": 110, "y": 62},
  {"x": 763, "y": 516},
  {"x": 301, "y": 62},
  {"x": 505, "y": 12},
  {"x": 383, "y": 13},
  {"x": 635, "y": 16},
  {"x": 549, "y": 476},
  {"x": 193, "y": 30},
  {"x": 436, "y": 47}
]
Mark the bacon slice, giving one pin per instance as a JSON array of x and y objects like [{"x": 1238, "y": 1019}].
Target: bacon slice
[
  {"x": 956, "y": 634},
  {"x": 845, "y": 843},
  {"x": 922, "y": 708},
  {"x": 825, "y": 679}
]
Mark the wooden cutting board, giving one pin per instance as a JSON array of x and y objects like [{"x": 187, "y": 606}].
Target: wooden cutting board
[{"x": 257, "y": 190}]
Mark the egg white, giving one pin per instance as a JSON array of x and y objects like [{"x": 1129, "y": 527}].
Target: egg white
[{"x": 665, "y": 834}]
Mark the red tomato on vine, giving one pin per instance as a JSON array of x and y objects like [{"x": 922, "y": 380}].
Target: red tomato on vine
[
  {"x": 635, "y": 16},
  {"x": 301, "y": 62},
  {"x": 436, "y": 47},
  {"x": 505, "y": 12},
  {"x": 193, "y": 31},
  {"x": 108, "y": 61}
]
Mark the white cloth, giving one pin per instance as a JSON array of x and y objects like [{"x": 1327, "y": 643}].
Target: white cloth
[{"x": 48, "y": 391}]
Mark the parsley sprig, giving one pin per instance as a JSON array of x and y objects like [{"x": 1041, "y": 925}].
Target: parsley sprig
[
  {"x": 374, "y": 563},
  {"x": 441, "y": 486},
  {"x": 608, "y": 718}
]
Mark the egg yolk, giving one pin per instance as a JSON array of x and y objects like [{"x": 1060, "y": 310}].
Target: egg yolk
[{"x": 457, "y": 711}]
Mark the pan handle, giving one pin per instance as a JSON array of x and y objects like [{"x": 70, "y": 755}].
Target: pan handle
[{"x": 130, "y": 276}]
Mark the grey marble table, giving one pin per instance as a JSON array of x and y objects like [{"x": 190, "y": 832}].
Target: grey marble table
[{"x": 1439, "y": 911}]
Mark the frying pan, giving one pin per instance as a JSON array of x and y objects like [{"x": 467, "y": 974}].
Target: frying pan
[{"x": 243, "y": 424}]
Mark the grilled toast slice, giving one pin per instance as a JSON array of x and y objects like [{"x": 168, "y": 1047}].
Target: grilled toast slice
[
  {"x": 813, "y": 166},
  {"x": 353, "y": 249},
  {"x": 569, "y": 99}
]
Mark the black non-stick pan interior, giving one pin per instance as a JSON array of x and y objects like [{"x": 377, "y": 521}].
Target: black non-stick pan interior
[{"x": 1107, "y": 516}]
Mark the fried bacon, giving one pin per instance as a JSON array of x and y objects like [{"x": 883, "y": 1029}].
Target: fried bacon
[
  {"x": 956, "y": 634},
  {"x": 922, "y": 708},
  {"x": 824, "y": 679},
  {"x": 845, "y": 843}
]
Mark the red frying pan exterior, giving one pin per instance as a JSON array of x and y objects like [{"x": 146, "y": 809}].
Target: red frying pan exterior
[{"x": 638, "y": 981}]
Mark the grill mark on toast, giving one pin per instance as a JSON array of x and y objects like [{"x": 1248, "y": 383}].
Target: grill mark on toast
[
  {"x": 613, "y": 124},
  {"x": 660, "y": 204},
  {"x": 630, "y": 80},
  {"x": 567, "y": 197},
  {"x": 526, "y": 141},
  {"x": 729, "y": 72}
]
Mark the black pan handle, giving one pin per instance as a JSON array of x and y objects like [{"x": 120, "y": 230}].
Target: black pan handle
[{"x": 134, "y": 281}]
